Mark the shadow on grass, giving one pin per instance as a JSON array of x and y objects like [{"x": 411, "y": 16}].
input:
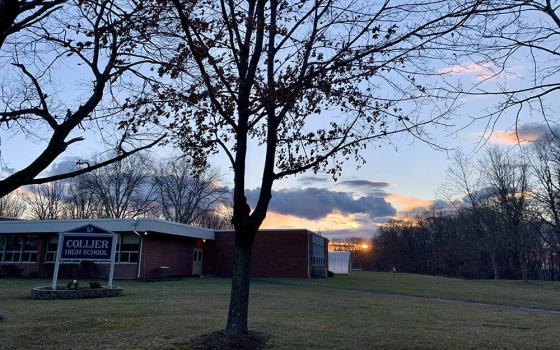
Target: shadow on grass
[{"x": 220, "y": 341}]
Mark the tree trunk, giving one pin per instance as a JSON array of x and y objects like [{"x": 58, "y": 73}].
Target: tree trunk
[
  {"x": 524, "y": 270},
  {"x": 8, "y": 15},
  {"x": 237, "y": 324},
  {"x": 495, "y": 266}
]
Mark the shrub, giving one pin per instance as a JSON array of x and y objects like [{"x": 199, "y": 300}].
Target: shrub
[
  {"x": 73, "y": 285},
  {"x": 94, "y": 285},
  {"x": 330, "y": 274}
]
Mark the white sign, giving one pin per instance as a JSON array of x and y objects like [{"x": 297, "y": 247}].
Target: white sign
[{"x": 88, "y": 242}]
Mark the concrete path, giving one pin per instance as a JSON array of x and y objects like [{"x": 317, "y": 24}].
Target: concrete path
[{"x": 505, "y": 307}]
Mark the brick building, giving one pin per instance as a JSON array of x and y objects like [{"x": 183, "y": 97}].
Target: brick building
[{"x": 148, "y": 248}]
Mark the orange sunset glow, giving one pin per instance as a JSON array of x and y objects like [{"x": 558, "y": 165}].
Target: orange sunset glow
[
  {"x": 510, "y": 137},
  {"x": 333, "y": 221},
  {"x": 336, "y": 220},
  {"x": 407, "y": 203}
]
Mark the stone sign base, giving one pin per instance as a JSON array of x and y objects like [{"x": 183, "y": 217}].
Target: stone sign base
[{"x": 47, "y": 293}]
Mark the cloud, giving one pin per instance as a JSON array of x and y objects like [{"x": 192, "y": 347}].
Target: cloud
[
  {"x": 482, "y": 71},
  {"x": 525, "y": 133},
  {"x": 334, "y": 225},
  {"x": 440, "y": 204},
  {"x": 362, "y": 232},
  {"x": 355, "y": 209},
  {"x": 365, "y": 186},
  {"x": 6, "y": 171},
  {"x": 334, "y": 220},
  {"x": 315, "y": 203},
  {"x": 67, "y": 164},
  {"x": 408, "y": 203},
  {"x": 311, "y": 180},
  {"x": 460, "y": 69}
]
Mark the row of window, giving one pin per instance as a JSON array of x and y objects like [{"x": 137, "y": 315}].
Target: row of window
[
  {"x": 317, "y": 261},
  {"x": 23, "y": 249},
  {"x": 318, "y": 252},
  {"x": 18, "y": 249}
]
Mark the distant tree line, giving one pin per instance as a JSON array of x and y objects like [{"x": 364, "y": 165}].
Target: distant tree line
[
  {"x": 504, "y": 224},
  {"x": 134, "y": 187}
]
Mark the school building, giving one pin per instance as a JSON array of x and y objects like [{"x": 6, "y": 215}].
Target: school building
[{"x": 151, "y": 249}]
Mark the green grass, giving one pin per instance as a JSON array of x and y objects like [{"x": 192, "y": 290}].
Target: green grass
[
  {"x": 534, "y": 294},
  {"x": 165, "y": 315}
]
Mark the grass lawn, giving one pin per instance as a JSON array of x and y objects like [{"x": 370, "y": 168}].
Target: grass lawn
[
  {"x": 535, "y": 294},
  {"x": 302, "y": 315}
]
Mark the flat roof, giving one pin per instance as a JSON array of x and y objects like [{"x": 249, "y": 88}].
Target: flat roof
[
  {"x": 281, "y": 230},
  {"x": 114, "y": 225}
]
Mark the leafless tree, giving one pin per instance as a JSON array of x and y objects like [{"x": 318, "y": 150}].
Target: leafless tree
[
  {"x": 46, "y": 201},
  {"x": 545, "y": 165},
  {"x": 465, "y": 178},
  {"x": 123, "y": 189},
  {"x": 16, "y": 15},
  {"x": 217, "y": 220},
  {"x": 187, "y": 195},
  {"x": 79, "y": 201},
  {"x": 506, "y": 174},
  {"x": 503, "y": 36},
  {"x": 92, "y": 37},
  {"x": 12, "y": 206},
  {"x": 310, "y": 84}
]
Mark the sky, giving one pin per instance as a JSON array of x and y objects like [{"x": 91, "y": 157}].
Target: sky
[{"x": 399, "y": 176}]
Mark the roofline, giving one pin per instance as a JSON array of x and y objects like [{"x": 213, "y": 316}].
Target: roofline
[
  {"x": 283, "y": 230},
  {"x": 273, "y": 229},
  {"x": 115, "y": 225}
]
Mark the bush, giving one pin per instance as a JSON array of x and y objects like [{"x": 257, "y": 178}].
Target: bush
[
  {"x": 94, "y": 285},
  {"x": 73, "y": 285},
  {"x": 330, "y": 274}
]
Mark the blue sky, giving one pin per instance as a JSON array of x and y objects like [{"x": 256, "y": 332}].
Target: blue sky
[
  {"x": 399, "y": 175},
  {"x": 411, "y": 170}
]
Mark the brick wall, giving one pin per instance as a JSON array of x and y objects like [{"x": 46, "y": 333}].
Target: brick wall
[
  {"x": 276, "y": 253},
  {"x": 174, "y": 252}
]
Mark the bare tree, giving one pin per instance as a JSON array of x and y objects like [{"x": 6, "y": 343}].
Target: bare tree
[
  {"x": 545, "y": 166},
  {"x": 79, "y": 201},
  {"x": 94, "y": 37},
  {"x": 465, "y": 178},
  {"x": 506, "y": 174},
  {"x": 189, "y": 196},
  {"x": 123, "y": 189},
  {"x": 217, "y": 220},
  {"x": 45, "y": 202},
  {"x": 16, "y": 15},
  {"x": 12, "y": 206},
  {"x": 502, "y": 34},
  {"x": 308, "y": 83}
]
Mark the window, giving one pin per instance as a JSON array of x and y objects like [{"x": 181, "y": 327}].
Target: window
[
  {"x": 18, "y": 249},
  {"x": 128, "y": 249},
  {"x": 52, "y": 244},
  {"x": 29, "y": 250},
  {"x": 318, "y": 253}
]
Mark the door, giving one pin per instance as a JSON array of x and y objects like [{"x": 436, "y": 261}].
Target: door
[{"x": 197, "y": 261}]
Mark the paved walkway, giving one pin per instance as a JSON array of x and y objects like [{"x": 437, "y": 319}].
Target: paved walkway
[{"x": 504, "y": 307}]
